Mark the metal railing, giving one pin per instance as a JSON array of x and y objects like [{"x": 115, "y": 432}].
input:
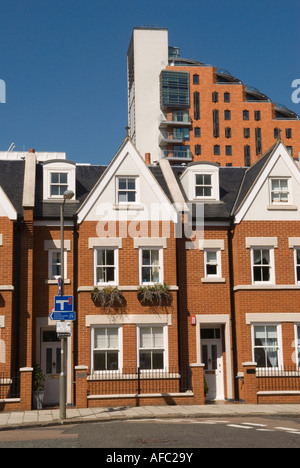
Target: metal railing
[
  {"x": 285, "y": 379},
  {"x": 139, "y": 382},
  {"x": 9, "y": 385}
]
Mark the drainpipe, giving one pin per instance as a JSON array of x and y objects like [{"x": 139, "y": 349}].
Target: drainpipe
[
  {"x": 232, "y": 305},
  {"x": 75, "y": 323}
]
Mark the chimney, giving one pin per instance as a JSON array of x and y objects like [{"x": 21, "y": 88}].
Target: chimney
[
  {"x": 148, "y": 159},
  {"x": 32, "y": 150}
]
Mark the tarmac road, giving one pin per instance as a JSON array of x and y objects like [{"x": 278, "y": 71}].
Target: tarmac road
[{"x": 184, "y": 436}]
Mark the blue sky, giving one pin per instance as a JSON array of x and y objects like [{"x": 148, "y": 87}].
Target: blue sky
[{"x": 65, "y": 68}]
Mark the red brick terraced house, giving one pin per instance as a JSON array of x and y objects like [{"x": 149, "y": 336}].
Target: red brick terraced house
[{"x": 178, "y": 272}]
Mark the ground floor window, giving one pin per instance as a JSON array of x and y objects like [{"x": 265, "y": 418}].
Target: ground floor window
[
  {"x": 266, "y": 349},
  {"x": 106, "y": 348},
  {"x": 152, "y": 347}
]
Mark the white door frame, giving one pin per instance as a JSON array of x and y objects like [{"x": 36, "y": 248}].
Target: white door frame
[
  {"x": 43, "y": 323},
  {"x": 215, "y": 320},
  {"x": 214, "y": 371}
]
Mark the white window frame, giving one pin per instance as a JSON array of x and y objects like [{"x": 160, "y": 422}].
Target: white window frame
[
  {"x": 164, "y": 347},
  {"x": 279, "y": 343},
  {"x": 160, "y": 265},
  {"x": 116, "y": 266},
  {"x": 59, "y": 184},
  {"x": 218, "y": 263},
  {"x": 289, "y": 195},
  {"x": 296, "y": 249},
  {"x": 136, "y": 179},
  {"x": 120, "y": 349},
  {"x": 211, "y": 186},
  {"x": 297, "y": 345},
  {"x": 271, "y": 264},
  {"x": 50, "y": 263}
]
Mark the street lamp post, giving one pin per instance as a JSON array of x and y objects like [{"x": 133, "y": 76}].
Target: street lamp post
[{"x": 62, "y": 380}]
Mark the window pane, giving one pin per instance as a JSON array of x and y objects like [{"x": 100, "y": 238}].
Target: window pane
[
  {"x": 99, "y": 361},
  {"x": 265, "y": 257},
  {"x": 211, "y": 257},
  {"x": 158, "y": 360},
  {"x": 211, "y": 270},
  {"x": 259, "y": 334},
  {"x": 154, "y": 257},
  {"x": 145, "y": 360},
  {"x": 146, "y": 257},
  {"x": 146, "y": 274},
  {"x": 131, "y": 184},
  {"x": 131, "y": 197},
  {"x": 122, "y": 184},
  {"x": 145, "y": 337},
  {"x": 122, "y": 197},
  {"x": 100, "y": 257},
  {"x": 63, "y": 178},
  {"x": 54, "y": 190},
  {"x": 207, "y": 180},
  {"x": 54, "y": 178},
  {"x": 155, "y": 275},
  {"x": 110, "y": 274},
  {"x": 257, "y": 257},
  {"x": 112, "y": 361},
  {"x": 158, "y": 337},
  {"x": 110, "y": 257}
]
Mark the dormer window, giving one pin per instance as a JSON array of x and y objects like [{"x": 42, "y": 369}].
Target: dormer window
[
  {"x": 200, "y": 181},
  {"x": 203, "y": 186},
  {"x": 58, "y": 183},
  {"x": 58, "y": 176}
]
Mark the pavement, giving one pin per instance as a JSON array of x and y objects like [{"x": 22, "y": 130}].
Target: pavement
[{"x": 51, "y": 417}]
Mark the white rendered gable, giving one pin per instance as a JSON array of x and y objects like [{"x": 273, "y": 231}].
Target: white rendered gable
[
  {"x": 258, "y": 206},
  {"x": 151, "y": 203}
]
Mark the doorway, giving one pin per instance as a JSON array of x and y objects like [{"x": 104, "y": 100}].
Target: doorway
[
  {"x": 212, "y": 358},
  {"x": 51, "y": 365}
]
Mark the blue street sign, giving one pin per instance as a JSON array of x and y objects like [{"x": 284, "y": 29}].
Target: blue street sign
[
  {"x": 67, "y": 316},
  {"x": 63, "y": 303}
]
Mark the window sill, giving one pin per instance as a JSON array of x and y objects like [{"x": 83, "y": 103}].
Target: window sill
[
  {"x": 282, "y": 208},
  {"x": 213, "y": 280},
  {"x": 128, "y": 207},
  {"x": 55, "y": 281},
  {"x": 121, "y": 288},
  {"x": 246, "y": 287}
]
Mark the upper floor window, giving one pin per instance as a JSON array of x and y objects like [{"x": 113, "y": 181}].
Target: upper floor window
[
  {"x": 58, "y": 183},
  {"x": 262, "y": 265},
  {"x": 215, "y": 96},
  {"x": 196, "y": 79},
  {"x": 126, "y": 190},
  {"x": 297, "y": 264},
  {"x": 245, "y": 115},
  {"x": 257, "y": 115},
  {"x": 151, "y": 265},
  {"x": 280, "y": 191},
  {"x": 58, "y": 176},
  {"x": 226, "y": 97},
  {"x": 203, "y": 185},
  {"x": 288, "y": 133},
  {"x": 212, "y": 263},
  {"x": 54, "y": 264},
  {"x": 227, "y": 114},
  {"x": 105, "y": 266}
]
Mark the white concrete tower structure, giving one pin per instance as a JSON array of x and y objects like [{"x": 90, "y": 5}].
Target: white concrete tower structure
[{"x": 147, "y": 57}]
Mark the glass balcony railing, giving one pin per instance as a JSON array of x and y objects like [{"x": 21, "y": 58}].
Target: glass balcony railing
[{"x": 178, "y": 154}]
